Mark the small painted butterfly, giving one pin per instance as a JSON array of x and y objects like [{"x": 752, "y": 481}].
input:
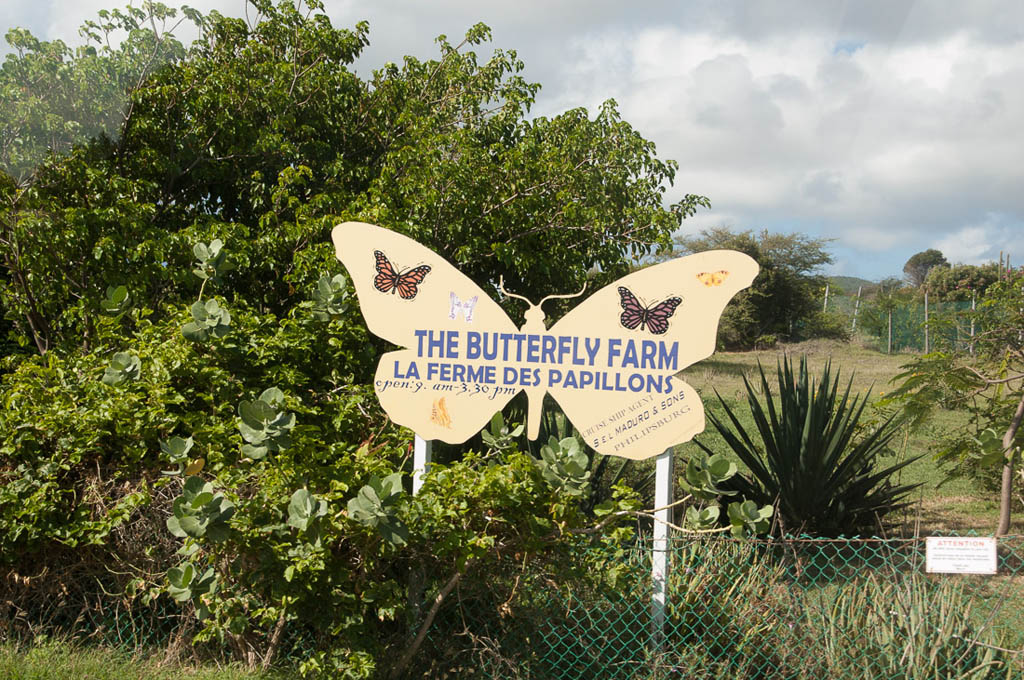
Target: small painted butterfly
[
  {"x": 654, "y": 318},
  {"x": 467, "y": 307},
  {"x": 406, "y": 283},
  {"x": 712, "y": 278},
  {"x": 439, "y": 414}
]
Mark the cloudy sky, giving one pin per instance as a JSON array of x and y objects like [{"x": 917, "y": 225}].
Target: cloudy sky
[{"x": 889, "y": 126}]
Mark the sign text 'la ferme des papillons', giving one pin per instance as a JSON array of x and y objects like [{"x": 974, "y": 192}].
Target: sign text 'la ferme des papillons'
[{"x": 610, "y": 363}]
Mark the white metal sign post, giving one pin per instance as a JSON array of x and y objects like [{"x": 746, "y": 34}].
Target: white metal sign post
[
  {"x": 661, "y": 549},
  {"x": 421, "y": 454}
]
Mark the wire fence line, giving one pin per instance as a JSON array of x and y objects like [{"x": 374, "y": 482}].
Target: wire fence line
[
  {"x": 780, "y": 608},
  {"x": 806, "y": 608},
  {"x": 907, "y": 325}
]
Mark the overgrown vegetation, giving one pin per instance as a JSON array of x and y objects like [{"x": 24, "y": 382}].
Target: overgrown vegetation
[{"x": 767, "y": 609}]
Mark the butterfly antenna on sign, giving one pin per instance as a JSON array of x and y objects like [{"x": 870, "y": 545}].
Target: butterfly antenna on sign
[
  {"x": 564, "y": 297},
  {"x": 501, "y": 287},
  {"x": 535, "y": 314}
]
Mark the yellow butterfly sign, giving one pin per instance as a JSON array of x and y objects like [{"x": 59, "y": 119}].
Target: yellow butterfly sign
[{"x": 611, "y": 362}]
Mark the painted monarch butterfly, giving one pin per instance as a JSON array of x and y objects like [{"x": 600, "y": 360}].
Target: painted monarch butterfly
[{"x": 387, "y": 281}]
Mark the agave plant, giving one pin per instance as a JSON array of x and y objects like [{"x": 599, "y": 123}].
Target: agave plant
[{"x": 808, "y": 457}]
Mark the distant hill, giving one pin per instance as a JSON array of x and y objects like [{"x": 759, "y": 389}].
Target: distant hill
[{"x": 849, "y": 284}]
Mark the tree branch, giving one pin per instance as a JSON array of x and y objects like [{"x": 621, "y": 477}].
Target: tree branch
[
  {"x": 403, "y": 662},
  {"x": 275, "y": 639},
  {"x": 993, "y": 381},
  {"x": 1006, "y": 486}
]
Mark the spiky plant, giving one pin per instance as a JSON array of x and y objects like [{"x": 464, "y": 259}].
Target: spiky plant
[{"x": 807, "y": 457}]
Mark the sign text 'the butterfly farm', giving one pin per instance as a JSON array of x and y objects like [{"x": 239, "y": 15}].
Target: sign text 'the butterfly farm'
[{"x": 611, "y": 362}]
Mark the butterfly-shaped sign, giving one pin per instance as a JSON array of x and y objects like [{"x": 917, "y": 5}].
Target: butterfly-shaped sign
[{"x": 611, "y": 362}]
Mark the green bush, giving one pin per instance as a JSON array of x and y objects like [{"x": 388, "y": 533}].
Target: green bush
[
  {"x": 316, "y": 535},
  {"x": 828, "y": 325}
]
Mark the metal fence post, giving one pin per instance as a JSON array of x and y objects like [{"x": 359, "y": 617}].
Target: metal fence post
[
  {"x": 888, "y": 348},
  {"x": 661, "y": 547},
  {"x": 927, "y": 344},
  {"x": 974, "y": 299},
  {"x": 856, "y": 309}
]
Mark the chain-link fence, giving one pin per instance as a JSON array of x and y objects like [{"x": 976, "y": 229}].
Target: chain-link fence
[
  {"x": 799, "y": 608},
  {"x": 793, "y": 608},
  {"x": 102, "y": 619}
]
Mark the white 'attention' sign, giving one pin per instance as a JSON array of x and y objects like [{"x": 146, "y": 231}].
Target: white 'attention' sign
[{"x": 960, "y": 555}]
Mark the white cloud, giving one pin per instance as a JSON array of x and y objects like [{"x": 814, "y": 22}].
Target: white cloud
[
  {"x": 970, "y": 245},
  {"x": 886, "y": 146},
  {"x": 982, "y": 242},
  {"x": 871, "y": 239},
  {"x": 891, "y": 125}
]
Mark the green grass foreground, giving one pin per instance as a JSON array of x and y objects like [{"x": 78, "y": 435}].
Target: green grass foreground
[{"x": 62, "y": 661}]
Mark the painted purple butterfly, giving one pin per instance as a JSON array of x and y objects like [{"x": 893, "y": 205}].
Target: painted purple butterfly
[{"x": 654, "y": 318}]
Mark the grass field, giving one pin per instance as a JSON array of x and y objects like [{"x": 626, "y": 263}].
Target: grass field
[
  {"x": 956, "y": 504},
  {"x": 60, "y": 661}
]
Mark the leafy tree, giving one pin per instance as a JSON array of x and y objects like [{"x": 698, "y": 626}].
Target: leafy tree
[
  {"x": 784, "y": 300},
  {"x": 54, "y": 96},
  {"x": 986, "y": 379},
  {"x": 919, "y": 264},
  {"x": 961, "y": 282},
  {"x": 264, "y": 138}
]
